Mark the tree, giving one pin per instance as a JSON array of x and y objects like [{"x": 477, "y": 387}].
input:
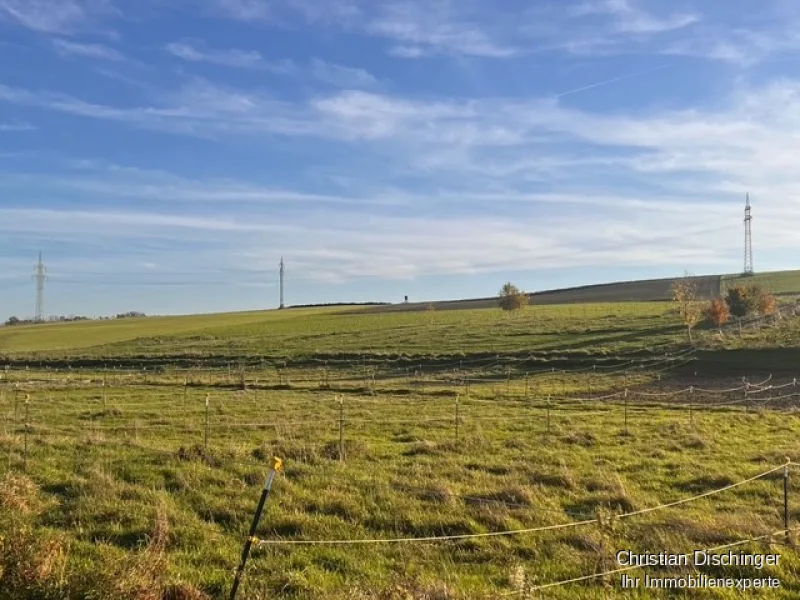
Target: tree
[
  {"x": 767, "y": 304},
  {"x": 13, "y": 321},
  {"x": 718, "y": 312},
  {"x": 684, "y": 292},
  {"x": 737, "y": 300},
  {"x": 512, "y": 298}
]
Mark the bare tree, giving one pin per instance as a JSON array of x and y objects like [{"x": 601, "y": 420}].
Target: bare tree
[{"x": 685, "y": 293}]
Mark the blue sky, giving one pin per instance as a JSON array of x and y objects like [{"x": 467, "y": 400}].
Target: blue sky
[{"x": 164, "y": 154}]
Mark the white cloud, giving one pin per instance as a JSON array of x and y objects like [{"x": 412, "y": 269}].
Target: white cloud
[
  {"x": 55, "y": 16},
  {"x": 98, "y": 51},
  {"x": 332, "y": 74},
  {"x": 434, "y": 28},
  {"x": 341, "y": 76},
  {"x": 737, "y": 46},
  {"x": 233, "y": 57},
  {"x": 244, "y": 10},
  {"x": 16, "y": 126},
  {"x": 629, "y": 18},
  {"x": 478, "y": 211}
]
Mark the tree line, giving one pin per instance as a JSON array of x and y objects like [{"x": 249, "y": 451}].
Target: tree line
[{"x": 12, "y": 321}]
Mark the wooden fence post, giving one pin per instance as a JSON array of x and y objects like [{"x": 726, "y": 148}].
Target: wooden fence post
[
  {"x": 205, "y": 437},
  {"x": 626, "y": 411},
  {"x": 548, "y": 414},
  {"x": 341, "y": 429},
  {"x": 457, "y": 419},
  {"x": 27, "y": 421},
  {"x": 786, "y": 503}
]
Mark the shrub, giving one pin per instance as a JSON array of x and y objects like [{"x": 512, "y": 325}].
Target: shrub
[
  {"x": 767, "y": 304},
  {"x": 736, "y": 299},
  {"x": 718, "y": 312},
  {"x": 512, "y": 298}
]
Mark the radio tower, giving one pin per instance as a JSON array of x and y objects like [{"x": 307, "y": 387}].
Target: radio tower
[
  {"x": 40, "y": 275},
  {"x": 748, "y": 238},
  {"x": 282, "y": 271}
]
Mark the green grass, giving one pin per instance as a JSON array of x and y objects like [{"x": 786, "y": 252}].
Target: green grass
[
  {"x": 777, "y": 282},
  {"x": 117, "y": 495},
  {"x": 112, "y": 477},
  {"x": 603, "y": 328}
]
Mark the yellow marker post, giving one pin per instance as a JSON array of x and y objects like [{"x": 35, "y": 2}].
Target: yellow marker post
[{"x": 277, "y": 465}]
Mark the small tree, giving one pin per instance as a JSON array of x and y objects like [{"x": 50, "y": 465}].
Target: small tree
[
  {"x": 13, "y": 321},
  {"x": 684, "y": 292},
  {"x": 512, "y": 298},
  {"x": 753, "y": 296},
  {"x": 736, "y": 299},
  {"x": 718, "y": 312},
  {"x": 767, "y": 304}
]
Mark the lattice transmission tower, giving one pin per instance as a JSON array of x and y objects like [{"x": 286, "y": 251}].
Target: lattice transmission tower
[
  {"x": 40, "y": 276},
  {"x": 748, "y": 238},
  {"x": 283, "y": 269}
]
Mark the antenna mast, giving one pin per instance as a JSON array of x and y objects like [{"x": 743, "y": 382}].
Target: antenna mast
[
  {"x": 282, "y": 272},
  {"x": 40, "y": 275},
  {"x": 748, "y": 238}
]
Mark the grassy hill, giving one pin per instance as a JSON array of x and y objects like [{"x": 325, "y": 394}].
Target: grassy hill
[
  {"x": 603, "y": 318},
  {"x": 778, "y": 282},
  {"x": 590, "y": 328}
]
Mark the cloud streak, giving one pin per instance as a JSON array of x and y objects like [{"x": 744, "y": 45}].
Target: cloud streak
[{"x": 56, "y": 16}]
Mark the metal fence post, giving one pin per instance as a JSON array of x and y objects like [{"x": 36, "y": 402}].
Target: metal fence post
[{"x": 277, "y": 465}]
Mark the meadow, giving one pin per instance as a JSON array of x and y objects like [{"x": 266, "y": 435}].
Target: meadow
[
  {"x": 126, "y": 482},
  {"x": 350, "y": 331}
]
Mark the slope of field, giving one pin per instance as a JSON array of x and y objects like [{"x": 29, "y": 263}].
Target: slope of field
[
  {"x": 651, "y": 290},
  {"x": 68, "y": 337},
  {"x": 777, "y": 282},
  {"x": 597, "y": 328}
]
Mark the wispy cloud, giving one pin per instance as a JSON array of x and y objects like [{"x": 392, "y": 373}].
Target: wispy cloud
[
  {"x": 341, "y": 76},
  {"x": 17, "y": 126},
  {"x": 232, "y": 57},
  {"x": 96, "y": 51},
  {"x": 55, "y": 16},
  {"x": 742, "y": 47},
  {"x": 629, "y": 18},
  {"x": 329, "y": 73},
  {"x": 434, "y": 28},
  {"x": 95, "y": 179},
  {"x": 244, "y": 10}
]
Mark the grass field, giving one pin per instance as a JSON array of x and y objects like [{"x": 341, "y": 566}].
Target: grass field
[
  {"x": 777, "y": 282},
  {"x": 141, "y": 484},
  {"x": 314, "y": 332},
  {"x": 110, "y": 470}
]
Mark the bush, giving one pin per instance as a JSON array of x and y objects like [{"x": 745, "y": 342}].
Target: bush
[
  {"x": 512, "y": 298},
  {"x": 767, "y": 304},
  {"x": 718, "y": 312},
  {"x": 743, "y": 301},
  {"x": 736, "y": 299}
]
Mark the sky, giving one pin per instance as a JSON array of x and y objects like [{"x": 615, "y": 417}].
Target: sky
[{"x": 164, "y": 154}]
